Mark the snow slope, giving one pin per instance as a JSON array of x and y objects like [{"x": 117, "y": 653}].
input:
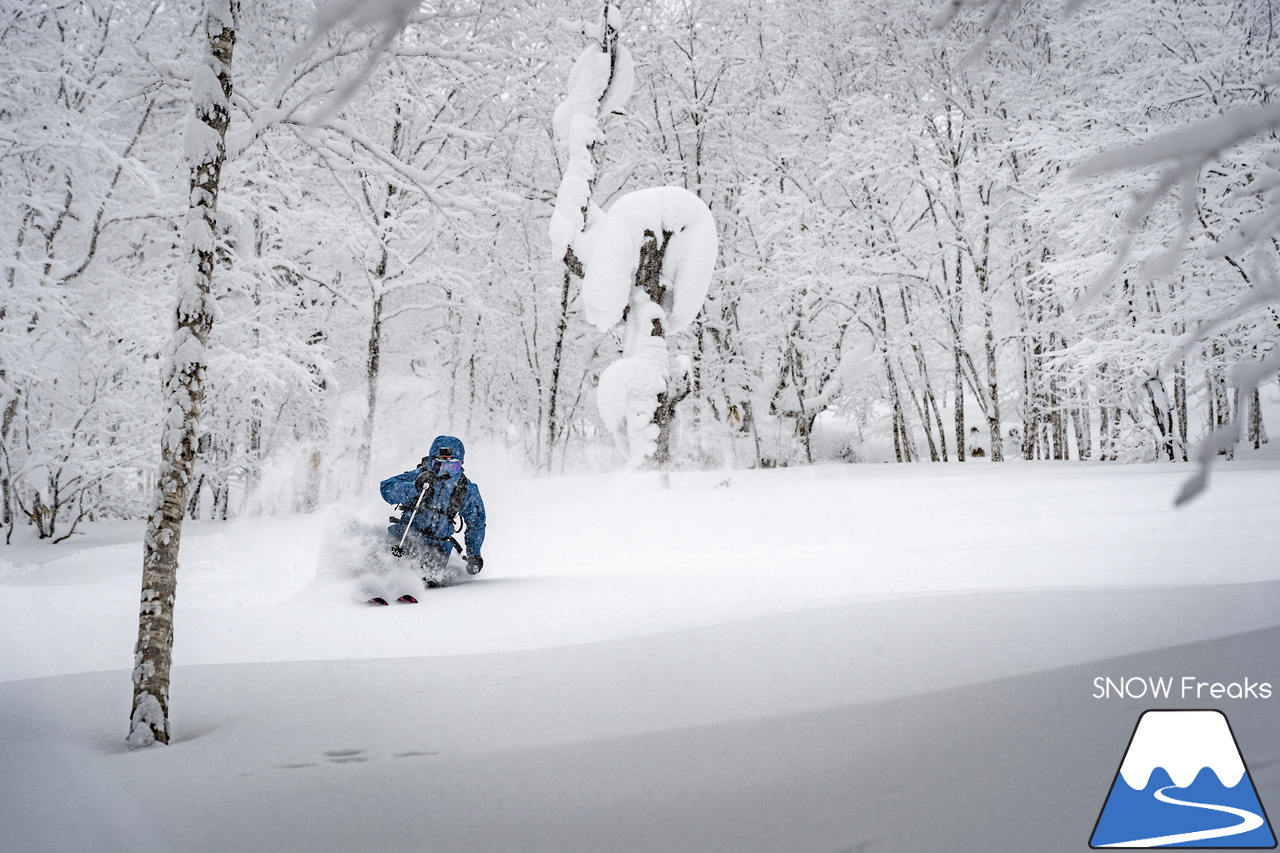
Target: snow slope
[{"x": 830, "y": 658}]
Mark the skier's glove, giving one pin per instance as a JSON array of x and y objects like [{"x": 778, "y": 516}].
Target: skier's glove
[
  {"x": 474, "y": 564},
  {"x": 424, "y": 480}
]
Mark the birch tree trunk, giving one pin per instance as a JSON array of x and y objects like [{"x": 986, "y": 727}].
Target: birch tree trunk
[
  {"x": 995, "y": 435},
  {"x": 184, "y": 381},
  {"x": 372, "y": 369}
]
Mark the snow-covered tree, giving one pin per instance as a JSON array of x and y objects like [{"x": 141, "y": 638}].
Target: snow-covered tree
[
  {"x": 184, "y": 379},
  {"x": 79, "y": 205},
  {"x": 900, "y": 248},
  {"x": 649, "y": 259},
  {"x": 1214, "y": 152},
  {"x": 600, "y": 82},
  {"x": 651, "y": 265}
]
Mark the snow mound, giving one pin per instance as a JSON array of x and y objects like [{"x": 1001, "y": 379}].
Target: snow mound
[{"x": 628, "y": 395}]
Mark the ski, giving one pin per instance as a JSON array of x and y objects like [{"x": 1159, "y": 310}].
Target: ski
[{"x": 382, "y": 602}]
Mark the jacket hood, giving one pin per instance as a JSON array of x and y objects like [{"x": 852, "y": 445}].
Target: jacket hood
[{"x": 454, "y": 444}]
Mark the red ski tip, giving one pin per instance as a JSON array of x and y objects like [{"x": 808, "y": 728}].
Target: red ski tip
[
  {"x": 378, "y": 600},
  {"x": 407, "y": 599}
]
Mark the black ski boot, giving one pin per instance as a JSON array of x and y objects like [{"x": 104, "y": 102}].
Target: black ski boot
[{"x": 433, "y": 568}]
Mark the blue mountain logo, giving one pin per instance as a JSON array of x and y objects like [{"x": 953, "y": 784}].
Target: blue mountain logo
[{"x": 1183, "y": 783}]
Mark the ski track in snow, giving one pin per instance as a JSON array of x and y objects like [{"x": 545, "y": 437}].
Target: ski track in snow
[{"x": 1249, "y": 821}]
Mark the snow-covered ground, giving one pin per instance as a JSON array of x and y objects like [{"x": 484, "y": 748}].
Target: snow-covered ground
[{"x": 861, "y": 658}]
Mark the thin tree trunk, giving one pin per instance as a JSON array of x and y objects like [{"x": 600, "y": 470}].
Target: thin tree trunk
[
  {"x": 1082, "y": 424},
  {"x": 572, "y": 268},
  {"x": 7, "y": 516},
  {"x": 993, "y": 392},
  {"x": 962, "y": 443},
  {"x": 1162, "y": 417},
  {"x": 937, "y": 419},
  {"x": 184, "y": 388},
  {"x": 383, "y": 223},
  {"x": 373, "y": 365},
  {"x": 1180, "y": 407},
  {"x": 996, "y": 438},
  {"x": 11, "y": 406},
  {"x": 254, "y": 475},
  {"x": 929, "y": 409},
  {"x": 1105, "y": 449},
  {"x": 749, "y": 424},
  {"x": 1032, "y": 389},
  {"x": 1257, "y": 429}
]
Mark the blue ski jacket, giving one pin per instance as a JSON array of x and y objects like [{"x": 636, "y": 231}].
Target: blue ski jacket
[{"x": 432, "y": 520}]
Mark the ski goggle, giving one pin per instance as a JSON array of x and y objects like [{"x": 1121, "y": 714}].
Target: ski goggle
[{"x": 446, "y": 465}]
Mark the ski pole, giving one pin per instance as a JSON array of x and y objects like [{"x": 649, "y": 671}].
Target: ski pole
[{"x": 398, "y": 550}]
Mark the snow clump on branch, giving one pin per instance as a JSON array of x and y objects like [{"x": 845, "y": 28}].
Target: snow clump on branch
[
  {"x": 628, "y": 390},
  {"x": 687, "y": 265},
  {"x": 596, "y": 87}
]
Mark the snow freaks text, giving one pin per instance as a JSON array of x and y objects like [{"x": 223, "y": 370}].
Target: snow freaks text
[{"x": 1175, "y": 687}]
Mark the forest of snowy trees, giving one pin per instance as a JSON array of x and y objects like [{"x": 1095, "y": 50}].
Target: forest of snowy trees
[{"x": 905, "y": 236}]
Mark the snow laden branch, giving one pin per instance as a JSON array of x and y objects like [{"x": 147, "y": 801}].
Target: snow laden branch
[
  {"x": 369, "y": 32},
  {"x": 1181, "y": 155},
  {"x": 688, "y": 260},
  {"x": 387, "y": 18},
  {"x": 601, "y": 81},
  {"x": 1246, "y": 378},
  {"x": 651, "y": 266}
]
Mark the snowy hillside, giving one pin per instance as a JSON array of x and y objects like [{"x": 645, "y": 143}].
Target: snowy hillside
[{"x": 830, "y": 658}]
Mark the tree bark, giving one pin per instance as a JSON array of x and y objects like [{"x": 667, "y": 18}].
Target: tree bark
[
  {"x": 184, "y": 389},
  {"x": 649, "y": 279},
  {"x": 1180, "y": 407},
  {"x": 996, "y": 437},
  {"x": 572, "y": 268},
  {"x": 1257, "y": 434}
]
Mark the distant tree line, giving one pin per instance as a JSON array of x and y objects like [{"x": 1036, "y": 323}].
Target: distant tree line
[{"x": 904, "y": 247}]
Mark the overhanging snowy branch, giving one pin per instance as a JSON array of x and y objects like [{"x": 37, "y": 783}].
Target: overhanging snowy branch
[{"x": 388, "y": 18}]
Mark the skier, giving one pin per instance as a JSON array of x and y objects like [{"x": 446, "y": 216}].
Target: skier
[{"x": 430, "y": 498}]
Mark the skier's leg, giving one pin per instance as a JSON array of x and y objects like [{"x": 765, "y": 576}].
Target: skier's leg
[{"x": 433, "y": 562}]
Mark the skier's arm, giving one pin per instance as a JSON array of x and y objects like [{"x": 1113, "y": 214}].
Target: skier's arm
[
  {"x": 473, "y": 515},
  {"x": 400, "y": 488}
]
